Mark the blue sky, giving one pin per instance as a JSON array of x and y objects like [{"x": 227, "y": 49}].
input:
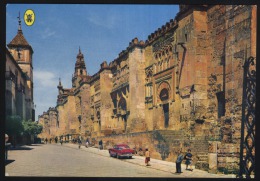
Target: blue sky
[{"x": 101, "y": 31}]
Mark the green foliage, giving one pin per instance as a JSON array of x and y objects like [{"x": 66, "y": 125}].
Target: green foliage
[
  {"x": 31, "y": 128},
  {"x": 13, "y": 125}
]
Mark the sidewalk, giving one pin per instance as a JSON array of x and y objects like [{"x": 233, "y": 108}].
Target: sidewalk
[{"x": 155, "y": 164}]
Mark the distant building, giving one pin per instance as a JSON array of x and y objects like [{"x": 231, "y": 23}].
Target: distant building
[
  {"x": 181, "y": 88},
  {"x": 19, "y": 77}
]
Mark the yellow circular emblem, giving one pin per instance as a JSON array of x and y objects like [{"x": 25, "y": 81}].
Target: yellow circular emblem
[{"x": 29, "y": 17}]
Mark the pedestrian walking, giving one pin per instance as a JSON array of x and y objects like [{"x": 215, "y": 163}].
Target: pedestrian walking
[
  {"x": 140, "y": 152},
  {"x": 178, "y": 162},
  {"x": 87, "y": 143},
  {"x": 46, "y": 140},
  {"x": 79, "y": 142},
  {"x": 61, "y": 141},
  {"x": 56, "y": 139},
  {"x": 100, "y": 145},
  {"x": 147, "y": 157},
  {"x": 188, "y": 158}
]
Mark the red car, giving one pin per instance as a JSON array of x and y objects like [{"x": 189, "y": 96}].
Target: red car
[{"x": 121, "y": 150}]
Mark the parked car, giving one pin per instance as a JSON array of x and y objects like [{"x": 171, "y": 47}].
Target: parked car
[{"x": 121, "y": 150}]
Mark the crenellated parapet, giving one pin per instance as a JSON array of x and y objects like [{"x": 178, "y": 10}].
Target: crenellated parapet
[
  {"x": 52, "y": 109},
  {"x": 45, "y": 113},
  {"x": 104, "y": 66},
  {"x": 123, "y": 55},
  {"x": 136, "y": 43},
  {"x": 171, "y": 25},
  {"x": 40, "y": 116}
]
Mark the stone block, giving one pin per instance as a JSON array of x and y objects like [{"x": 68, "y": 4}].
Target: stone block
[
  {"x": 221, "y": 159},
  {"x": 213, "y": 160},
  {"x": 232, "y": 160}
]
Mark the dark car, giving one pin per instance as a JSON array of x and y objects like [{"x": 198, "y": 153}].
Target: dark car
[{"x": 121, "y": 150}]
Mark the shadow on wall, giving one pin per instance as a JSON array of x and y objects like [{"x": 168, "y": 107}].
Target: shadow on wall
[{"x": 8, "y": 162}]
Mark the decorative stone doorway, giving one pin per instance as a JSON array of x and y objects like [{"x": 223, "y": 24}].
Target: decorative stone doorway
[
  {"x": 166, "y": 115},
  {"x": 99, "y": 121},
  {"x": 164, "y": 96},
  {"x": 122, "y": 106}
]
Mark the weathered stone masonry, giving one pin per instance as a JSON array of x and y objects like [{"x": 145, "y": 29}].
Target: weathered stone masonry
[{"x": 181, "y": 88}]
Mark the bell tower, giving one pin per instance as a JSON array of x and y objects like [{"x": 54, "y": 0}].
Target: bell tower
[
  {"x": 22, "y": 53},
  {"x": 80, "y": 69}
]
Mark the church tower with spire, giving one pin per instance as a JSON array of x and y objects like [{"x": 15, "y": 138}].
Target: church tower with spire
[
  {"x": 80, "y": 70},
  {"x": 22, "y": 53},
  {"x": 60, "y": 92}
]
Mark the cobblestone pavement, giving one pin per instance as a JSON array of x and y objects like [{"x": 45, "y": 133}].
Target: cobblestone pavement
[{"x": 58, "y": 162}]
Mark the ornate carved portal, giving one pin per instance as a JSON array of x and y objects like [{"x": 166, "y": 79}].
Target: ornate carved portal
[
  {"x": 123, "y": 110},
  {"x": 120, "y": 111},
  {"x": 164, "y": 96},
  {"x": 98, "y": 118},
  {"x": 247, "y": 146},
  {"x": 122, "y": 106}
]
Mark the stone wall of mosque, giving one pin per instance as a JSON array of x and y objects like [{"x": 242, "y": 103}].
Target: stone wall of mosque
[{"x": 181, "y": 88}]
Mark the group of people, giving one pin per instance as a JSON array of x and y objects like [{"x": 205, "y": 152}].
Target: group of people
[
  {"x": 86, "y": 144},
  {"x": 46, "y": 140},
  {"x": 50, "y": 141},
  {"x": 188, "y": 161},
  {"x": 187, "y": 157}
]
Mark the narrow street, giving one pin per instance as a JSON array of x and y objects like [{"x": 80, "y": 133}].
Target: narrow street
[{"x": 54, "y": 160}]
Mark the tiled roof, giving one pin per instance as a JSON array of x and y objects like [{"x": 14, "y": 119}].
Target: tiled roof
[{"x": 19, "y": 40}]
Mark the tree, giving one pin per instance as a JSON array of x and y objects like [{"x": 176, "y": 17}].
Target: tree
[
  {"x": 13, "y": 125},
  {"x": 31, "y": 128}
]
